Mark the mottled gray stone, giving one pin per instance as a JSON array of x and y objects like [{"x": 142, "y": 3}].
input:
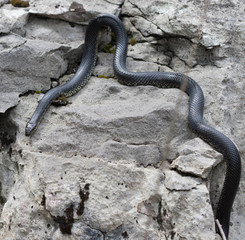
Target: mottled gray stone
[
  {"x": 184, "y": 50},
  {"x": 2, "y": 2},
  {"x": 145, "y": 154},
  {"x": 28, "y": 64},
  {"x": 43, "y": 60},
  {"x": 53, "y": 30},
  {"x": 180, "y": 204},
  {"x": 104, "y": 66},
  {"x": 8, "y": 100},
  {"x": 13, "y": 19},
  {"x": 148, "y": 52},
  {"x": 174, "y": 181},
  {"x": 80, "y": 12},
  {"x": 145, "y": 27},
  {"x": 113, "y": 164},
  {"x": 110, "y": 144},
  {"x": 109, "y": 105},
  {"x": 196, "y": 158}
]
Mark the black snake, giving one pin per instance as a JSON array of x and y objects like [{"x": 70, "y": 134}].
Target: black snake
[{"x": 159, "y": 79}]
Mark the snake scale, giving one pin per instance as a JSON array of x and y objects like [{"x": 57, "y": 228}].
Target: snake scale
[{"x": 159, "y": 79}]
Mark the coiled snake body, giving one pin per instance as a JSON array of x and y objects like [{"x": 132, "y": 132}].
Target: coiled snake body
[{"x": 159, "y": 79}]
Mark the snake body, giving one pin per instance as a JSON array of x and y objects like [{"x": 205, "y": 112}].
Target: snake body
[{"x": 159, "y": 79}]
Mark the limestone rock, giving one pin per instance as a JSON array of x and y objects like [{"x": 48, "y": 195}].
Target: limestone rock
[
  {"x": 8, "y": 100},
  {"x": 104, "y": 66},
  {"x": 145, "y": 155},
  {"x": 98, "y": 99},
  {"x": 118, "y": 162},
  {"x": 102, "y": 165},
  {"x": 52, "y": 30},
  {"x": 145, "y": 27},
  {"x": 80, "y": 11},
  {"x": 194, "y": 205},
  {"x": 2, "y": 2},
  {"x": 148, "y": 52},
  {"x": 183, "y": 49},
  {"x": 196, "y": 158},
  {"x": 13, "y": 19},
  {"x": 170, "y": 17},
  {"x": 42, "y": 62},
  {"x": 174, "y": 181},
  {"x": 47, "y": 63}
]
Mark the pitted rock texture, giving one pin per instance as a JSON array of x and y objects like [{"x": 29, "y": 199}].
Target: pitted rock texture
[{"x": 118, "y": 162}]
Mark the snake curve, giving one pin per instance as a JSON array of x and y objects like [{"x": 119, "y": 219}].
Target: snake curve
[{"x": 159, "y": 79}]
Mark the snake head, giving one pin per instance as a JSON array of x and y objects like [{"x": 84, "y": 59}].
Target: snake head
[{"x": 30, "y": 128}]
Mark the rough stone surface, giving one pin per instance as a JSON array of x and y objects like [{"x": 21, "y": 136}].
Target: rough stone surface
[
  {"x": 118, "y": 162},
  {"x": 8, "y": 100},
  {"x": 196, "y": 158},
  {"x": 174, "y": 181},
  {"x": 13, "y": 19},
  {"x": 78, "y": 11}
]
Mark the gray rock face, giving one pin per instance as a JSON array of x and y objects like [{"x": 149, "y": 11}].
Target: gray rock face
[
  {"x": 118, "y": 162},
  {"x": 79, "y": 11},
  {"x": 190, "y": 162}
]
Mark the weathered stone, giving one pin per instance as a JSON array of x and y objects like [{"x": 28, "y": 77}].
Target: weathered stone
[
  {"x": 47, "y": 63},
  {"x": 69, "y": 36},
  {"x": 148, "y": 52},
  {"x": 174, "y": 181},
  {"x": 176, "y": 63},
  {"x": 136, "y": 35},
  {"x": 79, "y": 11},
  {"x": 145, "y": 27},
  {"x": 113, "y": 163},
  {"x": 180, "y": 204},
  {"x": 13, "y": 19},
  {"x": 52, "y": 30},
  {"x": 100, "y": 167},
  {"x": 196, "y": 158},
  {"x": 170, "y": 17},
  {"x": 132, "y": 230},
  {"x": 99, "y": 99},
  {"x": 8, "y": 100},
  {"x": 104, "y": 66},
  {"x": 76, "y": 181},
  {"x": 184, "y": 50},
  {"x": 2, "y": 2},
  {"x": 145, "y": 154},
  {"x": 43, "y": 60}
]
